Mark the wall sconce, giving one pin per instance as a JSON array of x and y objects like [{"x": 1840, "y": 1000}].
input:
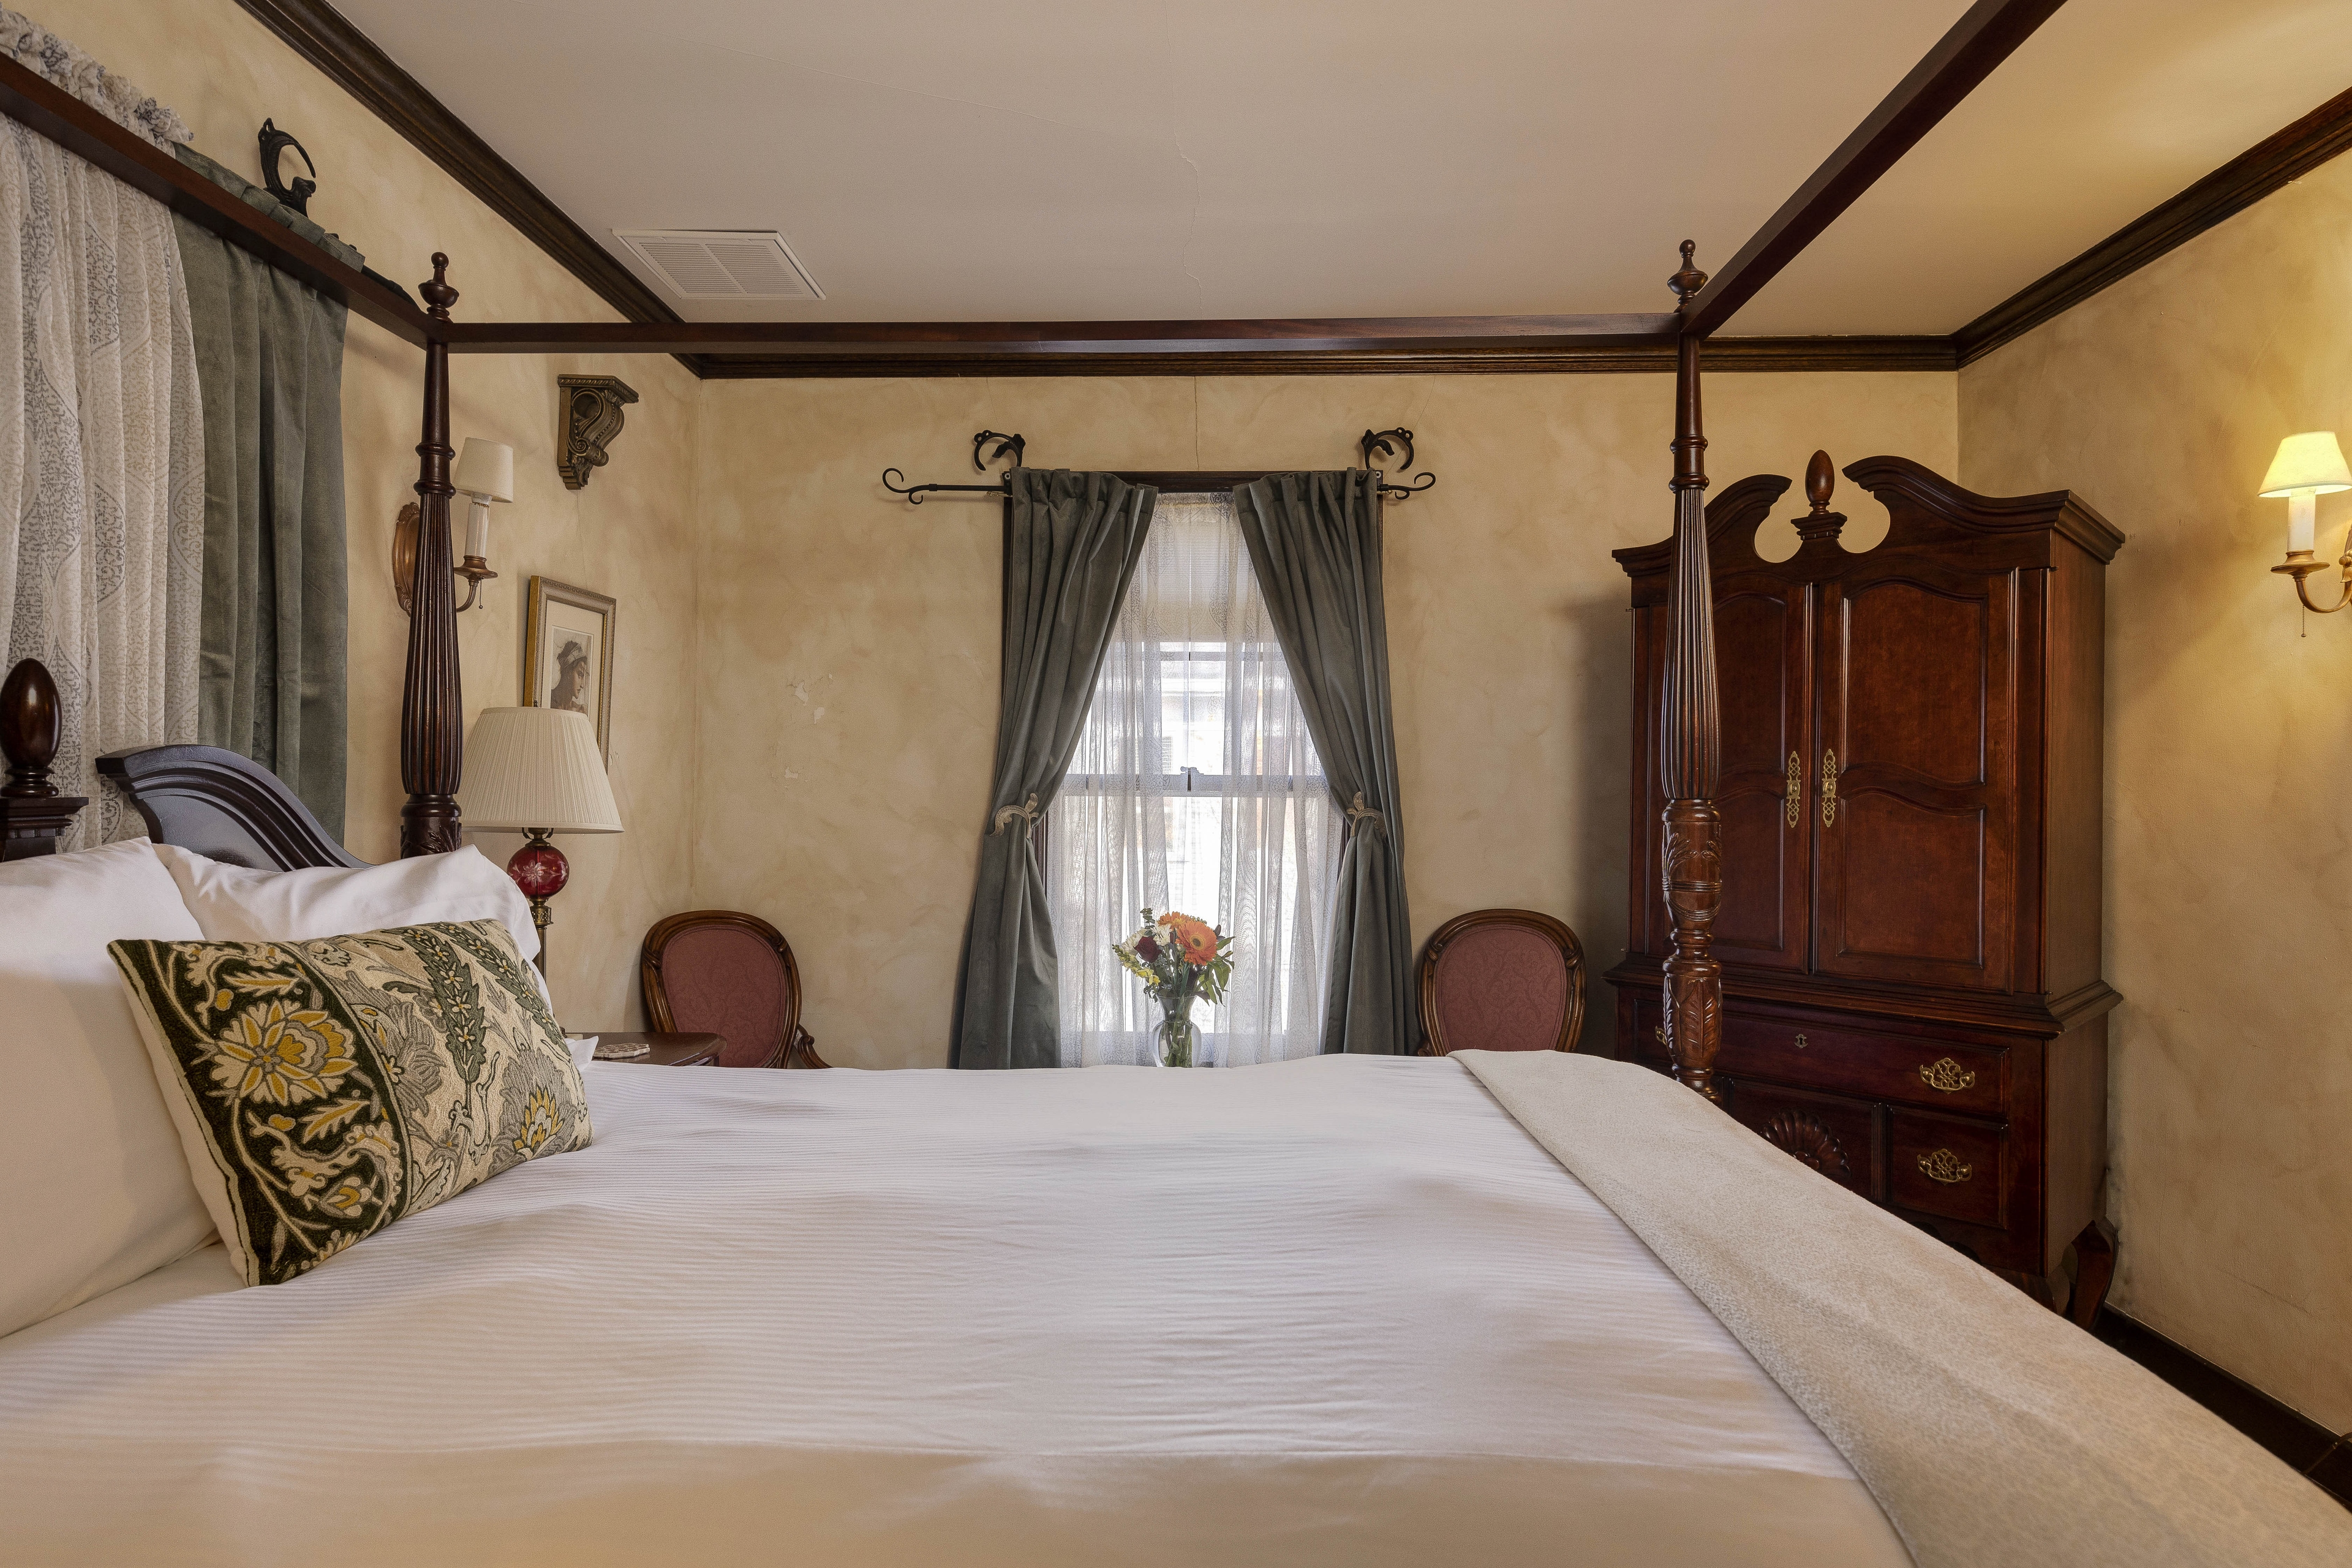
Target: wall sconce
[
  {"x": 485, "y": 473},
  {"x": 2307, "y": 467}
]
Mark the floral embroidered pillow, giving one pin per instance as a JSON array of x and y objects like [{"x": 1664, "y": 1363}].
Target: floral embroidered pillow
[{"x": 325, "y": 1088}]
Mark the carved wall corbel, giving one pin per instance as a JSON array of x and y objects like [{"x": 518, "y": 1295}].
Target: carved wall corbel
[{"x": 592, "y": 417}]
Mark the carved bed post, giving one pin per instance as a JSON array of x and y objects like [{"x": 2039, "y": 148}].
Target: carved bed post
[
  {"x": 432, "y": 705},
  {"x": 1691, "y": 740}
]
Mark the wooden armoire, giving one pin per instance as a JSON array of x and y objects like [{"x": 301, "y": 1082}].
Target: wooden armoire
[{"x": 1910, "y": 922}]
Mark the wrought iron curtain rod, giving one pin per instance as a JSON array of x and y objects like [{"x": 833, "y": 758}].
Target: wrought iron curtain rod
[{"x": 1384, "y": 442}]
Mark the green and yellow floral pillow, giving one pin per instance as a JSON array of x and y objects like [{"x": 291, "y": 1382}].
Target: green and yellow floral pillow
[{"x": 325, "y": 1088}]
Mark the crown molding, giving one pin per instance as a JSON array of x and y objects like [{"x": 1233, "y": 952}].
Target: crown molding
[
  {"x": 324, "y": 37},
  {"x": 2229, "y": 190},
  {"x": 1501, "y": 358}
]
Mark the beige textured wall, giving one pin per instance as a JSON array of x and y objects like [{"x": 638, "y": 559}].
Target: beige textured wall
[
  {"x": 224, "y": 73},
  {"x": 2229, "y": 746},
  {"x": 850, "y": 643}
]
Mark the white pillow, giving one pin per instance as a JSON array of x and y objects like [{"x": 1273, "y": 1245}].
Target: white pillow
[
  {"x": 97, "y": 1187},
  {"x": 238, "y": 903}
]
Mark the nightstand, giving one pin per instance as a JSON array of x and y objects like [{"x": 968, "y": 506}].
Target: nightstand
[{"x": 669, "y": 1050}]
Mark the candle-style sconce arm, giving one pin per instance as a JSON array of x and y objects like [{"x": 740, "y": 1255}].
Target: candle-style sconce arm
[
  {"x": 2302, "y": 564},
  {"x": 473, "y": 568}
]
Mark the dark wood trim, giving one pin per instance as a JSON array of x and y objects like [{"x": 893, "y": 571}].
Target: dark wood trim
[
  {"x": 224, "y": 807},
  {"x": 1392, "y": 334},
  {"x": 2323, "y": 1456},
  {"x": 1978, "y": 42},
  {"x": 1497, "y": 357},
  {"x": 2262, "y": 168},
  {"x": 1554, "y": 931},
  {"x": 348, "y": 58},
  {"x": 143, "y": 166}
]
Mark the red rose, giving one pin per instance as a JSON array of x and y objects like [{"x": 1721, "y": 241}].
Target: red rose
[{"x": 1147, "y": 950}]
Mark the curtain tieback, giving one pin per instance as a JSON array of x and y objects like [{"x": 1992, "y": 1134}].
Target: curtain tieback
[
  {"x": 1360, "y": 816},
  {"x": 1027, "y": 813}
]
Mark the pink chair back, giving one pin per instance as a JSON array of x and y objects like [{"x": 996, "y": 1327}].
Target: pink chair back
[
  {"x": 1502, "y": 980},
  {"x": 717, "y": 972}
]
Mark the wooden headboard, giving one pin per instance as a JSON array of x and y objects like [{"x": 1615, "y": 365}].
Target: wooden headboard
[
  {"x": 199, "y": 797},
  {"x": 224, "y": 807}
]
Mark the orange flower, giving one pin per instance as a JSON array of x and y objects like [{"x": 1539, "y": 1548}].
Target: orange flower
[{"x": 1197, "y": 939}]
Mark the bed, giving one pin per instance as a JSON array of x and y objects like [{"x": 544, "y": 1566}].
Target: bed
[{"x": 1535, "y": 1307}]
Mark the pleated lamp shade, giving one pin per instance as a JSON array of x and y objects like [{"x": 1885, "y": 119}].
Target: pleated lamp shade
[{"x": 537, "y": 767}]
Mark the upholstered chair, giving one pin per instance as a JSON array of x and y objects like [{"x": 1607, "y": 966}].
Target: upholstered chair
[
  {"x": 1502, "y": 980},
  {"x": 721, "y": 973}
]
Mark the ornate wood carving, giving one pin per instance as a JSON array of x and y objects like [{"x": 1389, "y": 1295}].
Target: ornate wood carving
[
  {"x": 1794, "y": 1132},
  {"x": 592, "y": 419},
  {"x": 32, "y": 812},
  {"x": 1690, "y": 740},
  {"x": 432, "y": 712}
]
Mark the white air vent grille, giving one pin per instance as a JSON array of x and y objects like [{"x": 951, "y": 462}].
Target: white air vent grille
[{"x": 721, "y": 264}]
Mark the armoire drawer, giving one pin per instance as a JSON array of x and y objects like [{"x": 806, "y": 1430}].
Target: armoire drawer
[
  {"x": 1903, "y": 1068},
  {"x": 1836, "y": 1136},
  {"x": 1947, "y": 1166}
]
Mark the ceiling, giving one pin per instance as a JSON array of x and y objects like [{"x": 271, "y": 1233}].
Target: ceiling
[{"x": 1081, "y": 159}]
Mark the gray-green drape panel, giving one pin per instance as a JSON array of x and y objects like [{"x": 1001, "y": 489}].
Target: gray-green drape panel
[
  {"x": 269, "y": 358},
  {"x": 1314, "y": 542},
  {"x": 1071, "y": 544}
]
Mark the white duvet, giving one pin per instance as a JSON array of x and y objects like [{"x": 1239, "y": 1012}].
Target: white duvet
[{"x": 1336, "y": 1311}]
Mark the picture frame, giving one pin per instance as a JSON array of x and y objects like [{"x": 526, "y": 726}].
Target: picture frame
[{"x": 568, "y": 648}]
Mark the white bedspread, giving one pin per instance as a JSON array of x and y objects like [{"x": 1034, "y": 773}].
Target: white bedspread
[{"x": 1336, "y": 1311}]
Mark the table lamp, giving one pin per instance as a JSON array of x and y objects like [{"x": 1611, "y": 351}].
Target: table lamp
[{"x": 537, "y": 771}]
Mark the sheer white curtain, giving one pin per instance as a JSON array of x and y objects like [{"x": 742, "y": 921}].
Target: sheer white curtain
[{"x": 1194, "y": 787}]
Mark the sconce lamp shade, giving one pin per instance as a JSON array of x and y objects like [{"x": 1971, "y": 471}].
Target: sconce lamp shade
[
  {"x": 485, "y": 468},
  {"x": 2309, "y": 464},
  {"x": 537, "y": 768}
]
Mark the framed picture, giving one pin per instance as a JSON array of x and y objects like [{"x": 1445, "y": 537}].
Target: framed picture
[{"x": 567, "y": 654}]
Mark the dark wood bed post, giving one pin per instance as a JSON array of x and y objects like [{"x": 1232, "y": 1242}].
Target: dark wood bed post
[
  {"x": 32, "y": 813},
  {"x": 432, "y": 704},
  {"x": 1691, "y": 739}
]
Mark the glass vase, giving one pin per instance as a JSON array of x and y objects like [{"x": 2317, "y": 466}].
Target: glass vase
[{"x": 1179, "y": 1038}]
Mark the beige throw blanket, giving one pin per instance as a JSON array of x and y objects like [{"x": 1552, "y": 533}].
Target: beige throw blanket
[{"x": 1991, "y": 1430}]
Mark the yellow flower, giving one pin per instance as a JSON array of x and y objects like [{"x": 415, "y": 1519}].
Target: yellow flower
[
  {"x": 541, "y": 1122},
  {"x": 278, "y": 1054}
]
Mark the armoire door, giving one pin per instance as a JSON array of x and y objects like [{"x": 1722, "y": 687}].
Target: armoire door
[
  {"x": 1763, "y": 652},
  {"x": 1915, "y": 775}
]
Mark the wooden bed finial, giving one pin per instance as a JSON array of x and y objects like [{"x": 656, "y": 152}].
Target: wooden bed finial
[
  {"x": 32, "y": 812},
  {"x": 29, "y": 725},
  {"x": 1691, "y": 740},
  {"x": 432, "y": 709}
]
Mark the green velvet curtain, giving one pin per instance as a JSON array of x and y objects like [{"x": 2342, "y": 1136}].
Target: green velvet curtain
[
  {"x": 1071, "y": 544},
  {"x": 1314, "y": 542},
  {"x": 269, "y": 359}
]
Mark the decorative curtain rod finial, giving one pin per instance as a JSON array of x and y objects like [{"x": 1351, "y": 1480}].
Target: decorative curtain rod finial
[{"x": 1380, "y": 441}]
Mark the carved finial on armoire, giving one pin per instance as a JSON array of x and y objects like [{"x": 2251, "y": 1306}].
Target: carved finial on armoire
[
  {"x": 32, "y": 812},
  {"x": 1820, "y": 482}
]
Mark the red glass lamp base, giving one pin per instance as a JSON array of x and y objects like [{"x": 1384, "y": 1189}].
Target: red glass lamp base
[{"x": 539, "y": 870}]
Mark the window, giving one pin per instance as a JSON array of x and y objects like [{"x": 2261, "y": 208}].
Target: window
[{"x": 1195, "y": 787}]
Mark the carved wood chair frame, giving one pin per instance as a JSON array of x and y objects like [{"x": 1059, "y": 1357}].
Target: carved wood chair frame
[
  {"x": 1557, "y": 932},
  {"x": 794, "y": 1047}
]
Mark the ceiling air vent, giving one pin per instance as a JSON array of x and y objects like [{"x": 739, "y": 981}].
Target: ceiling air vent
[{"x": 721, "y": 264}]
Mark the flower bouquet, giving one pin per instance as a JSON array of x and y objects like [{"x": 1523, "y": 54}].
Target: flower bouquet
[{"x": 1178, "y": 958}]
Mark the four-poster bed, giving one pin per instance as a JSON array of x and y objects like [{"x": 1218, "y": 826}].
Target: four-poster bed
[{"x": 1017, "y": 1371}]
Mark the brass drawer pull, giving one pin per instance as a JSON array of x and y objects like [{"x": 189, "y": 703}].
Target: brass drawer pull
[
  {"x": 1829, "y": 789},
  {"x": 1945, "y": 1166},
  {"x": 1795, "y": 794},
  {"x": 1947, "y": 1076}
]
